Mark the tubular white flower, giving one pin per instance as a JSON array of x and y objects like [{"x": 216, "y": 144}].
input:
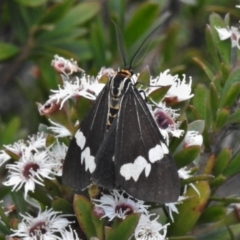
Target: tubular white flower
[
  {"x": 192, "y": 138},
  {"x": 229, "y": 32},
  {"x": 29, "y": 170},
  {"x": 172, "y": 206},
  {"x": 57, "y": 153},
  {"x": 150, "y": 229},
  {"x": 43, "y": 227},
  {"x": 69, "y": 235},
  {"x": 185, "y": 174},
  {"x": 59, "y": 130},
  {"x": 4, "y": 157},
  {"x": 116, "y": 205}
]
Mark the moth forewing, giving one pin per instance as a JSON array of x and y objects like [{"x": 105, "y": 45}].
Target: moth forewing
[
  {"x": 80, "y": 163},
  {"x": 143, "y": 165}
]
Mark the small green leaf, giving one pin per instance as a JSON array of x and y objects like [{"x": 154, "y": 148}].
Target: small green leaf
[
  {"x": 221, "y": 161},
  {"x": 19, "y": 201},
  {"x": 218, "y": 181},
  {"x": 228, "y": 99},
  {"x": 144, "y": 77},
  {"x": 159, "y": 93},
  {"x": 83, "y": 210},
  {"x": 197, "y": 125},
  {"x": 211, "y": 49},
  {"x": 7, "y": 51},
  {"x": 222, "y": 118},
  {"x": 232, "y": 79},
  {"x": 139, "y": 16},
  {"x": 79, "y": 14},
  {"x": 214, "y": 99},
  {"x": 212, "y": 214},
  {"x": 200, "y": 100},
  {"x": 186, "y": 156},
  {"x": 62, "y": 205},
  {"x": 233, "y": 167},
  {"x": 190, "y": 210},
  {"x": 31, "y": 3},
  {"x": 235, "y": 117},
  {"x": 205, "y": 68},
  {"x": 125, "y": 229},
  {"x": 223, "y": 47}
]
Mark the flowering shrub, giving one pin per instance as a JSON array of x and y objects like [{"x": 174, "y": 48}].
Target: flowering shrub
[{"x": 195, "y": 122}]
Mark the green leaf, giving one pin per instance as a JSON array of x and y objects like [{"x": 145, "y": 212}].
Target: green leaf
[
  {"x": 190, "y": 210},
  {"x": 212, "y": 214},
  {"x": 137, "y": 30},
  {"x": 19, "y": 201},
  {"x": 83, "y": 210},
  {"x": 211, "y": 49},
  {"x": 125, "y": 229},
  {"x": 31, "y": 3},
  {"x": 235, "y": 117},
  {"x": 205, "y": 68},
  {"x": 79, "y": 14},
  {"x": 221, "y": 161},
  {"x": 159, "y": 93},
  {"x": 62, "y": 205},
  {"x": 52, "y": 188},
  {"x": 231, "y": 80},
  {"x": 7, "y": 51},
  {"x": 223, "y": 47},
  {"x": 218, "y": 181},
  {"x": 144, "y": 77},
  {"x": 222, "y": 118},
  {"x": 197, "y": 125},
  {"x": 228, "y": 99},
  {"x": 186, "y": 156},
  {"x": 233, "y": 167},
  {"x": 214, "y": 99},
  {"x": 200, "y": 100},
  {"x": 221, "y": 233}
]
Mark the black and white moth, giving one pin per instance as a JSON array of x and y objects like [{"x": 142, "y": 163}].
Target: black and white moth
[{"x": 119, "y": 146}]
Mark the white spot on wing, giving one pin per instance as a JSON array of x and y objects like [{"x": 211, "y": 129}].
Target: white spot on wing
[
  {"x": 155, "y": 154},
  {"x": 80, "y": 139},
  {"x": 135, "y": 169},
  {"x": 88, "y": 160},
  {"x": 165, "y": 148}
]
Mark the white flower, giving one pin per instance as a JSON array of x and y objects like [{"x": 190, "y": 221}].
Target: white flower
[
  {"x": 185, "y": 174},
  {"x": 192, "y": 138},
  {"x": 4, "y": 157},
  {"x": 58, "y": 153},
  {"x": 150, "y": 229},
  {"x": 116, "y": 205},
  {"x": 29, "y": 170},
  {"x": 164, "y": 79},
  {"x": 16, "y": 148},
  {"x": 65, "y": 66},
  {"x": 42, "y": 227},
  {"x": 229, "y": 32},
  {"x": 37, "y": 141},
  {"x": 172, "y": 206},
  {"x": 180, "y": 90},
  {"x": 69, "y": 235},
  {"x": 59, "y": 130},
  {"x": 85, "y": 87}
]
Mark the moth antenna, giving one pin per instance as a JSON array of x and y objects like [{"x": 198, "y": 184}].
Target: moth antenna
[
  {"x": 162, "y": 19},
  {"x": 121, "y": 44}
]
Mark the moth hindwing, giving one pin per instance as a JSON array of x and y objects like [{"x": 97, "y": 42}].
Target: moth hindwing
[{"x": 119, "y": 145}]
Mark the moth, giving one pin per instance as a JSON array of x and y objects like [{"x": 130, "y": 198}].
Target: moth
[{"x": 119, "y": 146}]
